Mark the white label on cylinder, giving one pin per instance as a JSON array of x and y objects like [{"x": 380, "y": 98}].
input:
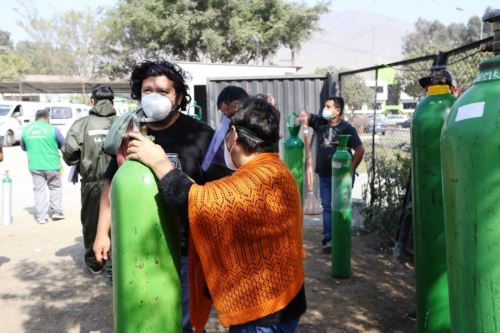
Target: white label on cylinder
[
  {"x": 336, "y": 165},
  {"x": 473, "y": 110}
]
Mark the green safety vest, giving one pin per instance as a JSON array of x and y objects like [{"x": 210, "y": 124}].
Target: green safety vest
[{"x": 41, "y": 146}]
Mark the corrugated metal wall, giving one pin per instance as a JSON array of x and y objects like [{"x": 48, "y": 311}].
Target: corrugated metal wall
[{"x": 291, "y": 93}]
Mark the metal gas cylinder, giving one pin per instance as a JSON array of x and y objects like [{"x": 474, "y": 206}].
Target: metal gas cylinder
[
  {"x": 341, "y": 209},
  {"x": 470, "y": 145},
  {"x": 294, "y": 153},
  {"x": 6, "y": 199},
  {"x": 146, "y": 254},
  {"x": 433, "y": 314}
]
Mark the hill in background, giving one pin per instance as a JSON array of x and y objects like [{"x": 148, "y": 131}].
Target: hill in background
[{"x": 350, "y": 39}]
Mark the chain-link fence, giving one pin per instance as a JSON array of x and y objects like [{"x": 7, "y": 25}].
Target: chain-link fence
[{"x": 380, "y": 102}]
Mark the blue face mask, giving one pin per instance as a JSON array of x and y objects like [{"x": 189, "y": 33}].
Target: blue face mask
[{"x": 327, "y": 114}]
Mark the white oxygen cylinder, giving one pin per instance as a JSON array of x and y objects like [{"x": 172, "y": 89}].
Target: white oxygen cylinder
[{"x": 6, "y": 199}]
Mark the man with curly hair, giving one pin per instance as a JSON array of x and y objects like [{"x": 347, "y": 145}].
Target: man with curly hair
[{"x": 162, "y": 83}]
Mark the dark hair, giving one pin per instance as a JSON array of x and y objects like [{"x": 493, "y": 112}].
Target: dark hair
[
  {"x": 160, "y": 67},
  {"x": 257, "y": 124},
  {"x": 100, "y": 91},
  {"x": 338, "y": 102},
  {"x": 43, "y": 113},
  {"x": 230, "y": 94}
]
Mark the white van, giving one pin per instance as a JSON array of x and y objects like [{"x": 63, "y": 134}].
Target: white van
[
  {"x": 63, "y": 115},
  {"x": 13, "y": 116}
]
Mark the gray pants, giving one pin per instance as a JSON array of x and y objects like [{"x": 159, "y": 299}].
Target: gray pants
[{"x": 41, "y": 181}]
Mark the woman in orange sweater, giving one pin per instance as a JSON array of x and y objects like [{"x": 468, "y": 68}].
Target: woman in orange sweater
[{"x": 245, "y": 230}]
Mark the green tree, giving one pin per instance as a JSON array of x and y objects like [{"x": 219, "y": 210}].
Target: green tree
[
  {"x": 430, "y": 37},
  {"x": 228, "y": 31},
  {"x": 299, "y": 24},
  {"x": 5, "y": 41},
  {"x": 354, "y": 90},
  {"x": 12, "y": 65},
  {"x": 69, "y": 43},
  {"x": 45, "y": 58}
]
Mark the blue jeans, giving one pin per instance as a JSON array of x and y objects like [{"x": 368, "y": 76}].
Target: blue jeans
[
  {"x": 325, "y": 192},
  {"x": 287, "y": 327}
]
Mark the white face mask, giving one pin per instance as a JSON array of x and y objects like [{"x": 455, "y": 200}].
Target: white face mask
[
  {"x": 327, "y": 114},
  {"x": 227, "y": 157},
  {"x": 156, "y": 106}
]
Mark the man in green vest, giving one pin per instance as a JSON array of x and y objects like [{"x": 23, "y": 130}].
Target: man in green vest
[
  {"x": 42, "y": 142},
  {"x": 83, "y": 148}
]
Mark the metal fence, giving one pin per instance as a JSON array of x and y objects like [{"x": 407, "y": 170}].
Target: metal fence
[
  {"x": 380, "y": 101},
  {"x": 291, "y": 93}
]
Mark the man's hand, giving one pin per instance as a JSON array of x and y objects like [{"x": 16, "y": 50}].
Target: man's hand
[
  {"x": 144, "y": 150},
  {"x": 102, "y": 245},
  {"x": 304, "y": 117}
]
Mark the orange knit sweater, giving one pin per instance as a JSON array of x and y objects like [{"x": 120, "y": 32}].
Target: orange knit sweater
[{"x": 246, "y": 232}]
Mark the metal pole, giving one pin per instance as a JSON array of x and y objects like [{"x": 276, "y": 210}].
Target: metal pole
[
  {"x": 257, "y": 52},
  {"x": 372, "y": 181},
  {"x": 340, "y": 84}
]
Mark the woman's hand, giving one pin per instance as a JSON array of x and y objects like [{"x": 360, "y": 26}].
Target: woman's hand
[{"x": 142, "y": 149}]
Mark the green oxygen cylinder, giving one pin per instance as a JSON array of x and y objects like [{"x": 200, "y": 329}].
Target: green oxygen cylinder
[
  {"x": 470, "y": 145},
  {"x": 294, "y": 153},
  {"x": 341, "y": 209},
  {"x": 197, "y": 111},
  {"x": 433, "y": 313},
  {"x": 146, "y": 249}
]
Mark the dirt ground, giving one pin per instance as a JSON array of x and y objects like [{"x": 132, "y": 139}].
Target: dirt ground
[
  {"x": 375, "y": 299},
  {"x": 44, "y": 286}
]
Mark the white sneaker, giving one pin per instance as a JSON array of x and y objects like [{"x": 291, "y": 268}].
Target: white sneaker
[
  {"x": 44, "y": 221},
  {"x": 57, "y": 216}
]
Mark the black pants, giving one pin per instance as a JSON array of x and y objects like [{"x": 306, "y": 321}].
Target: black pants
[{"x": 89, "y": 215}]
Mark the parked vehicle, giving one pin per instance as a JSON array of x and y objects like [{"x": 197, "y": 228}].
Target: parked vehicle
[
  {"x": 63, "y": 115},
  {"x": 395, "y": 119},
  {"x": 13, "y": 116},
  {"x": 360, "y": 122},
  {"x": 380, "y": 124},
  {"x": 405, "y": 124},
  {"x": 364, "y": 123}
]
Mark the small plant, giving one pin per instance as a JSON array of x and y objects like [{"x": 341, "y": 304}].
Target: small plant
[{"x": 386, "y": 198}]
